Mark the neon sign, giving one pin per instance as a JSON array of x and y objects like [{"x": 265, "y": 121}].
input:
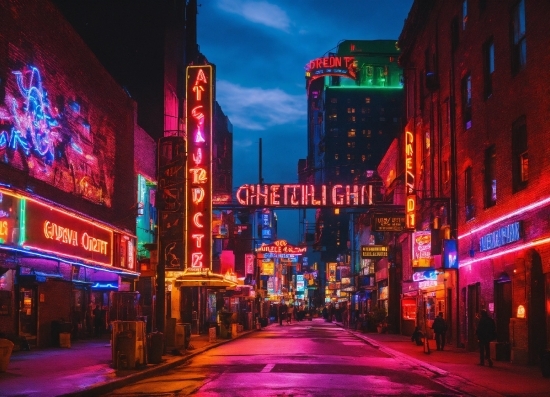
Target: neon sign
[
  {"x": 199, "y": 166},
  {"x": 334, "y": 65},
  {"x": 51, "y": 144},
  {"x": 295, "y": 195},
  {"x": 505, "y": 235},
  {"x": 281, "y": 247},
  {"x": 410, "y": 205},
  {"x": 50, "y": 230}
]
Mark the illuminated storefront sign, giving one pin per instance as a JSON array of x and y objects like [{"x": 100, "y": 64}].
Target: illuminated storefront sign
[
  {"x": 345, "y": 66},
  {"x": 374, "y": 251},
  {"x": 421, "y": 249},
  {"x": 51, "y": 230},
  {"x": 424, "y": 276},
  {"x": 410, "y": 205},
  {"x": 295, "y": 195},
  {"x": 199, "y": 166},
  {"x": 427, "y": 284},
  {"x": 385, "y": 223},
  {"x": 505, "y": 235}
]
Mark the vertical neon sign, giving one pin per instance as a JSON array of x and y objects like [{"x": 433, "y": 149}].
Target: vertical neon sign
[
  {"x": 199, "y": 166},
  {"x": 410, "y": 172}
]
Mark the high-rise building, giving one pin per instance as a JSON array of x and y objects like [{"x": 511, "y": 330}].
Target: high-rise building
[{"x": 354, "y": 112}]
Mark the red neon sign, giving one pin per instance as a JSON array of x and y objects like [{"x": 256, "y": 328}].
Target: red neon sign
[
  {"x": 199, "y": 167},
  {"x": 410, "y": 206}
]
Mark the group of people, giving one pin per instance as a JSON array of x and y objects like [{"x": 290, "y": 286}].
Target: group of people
[{"x": 485, "y": 332}]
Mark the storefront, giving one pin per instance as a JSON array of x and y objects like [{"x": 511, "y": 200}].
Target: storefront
[{"x": 54, "y": 266}]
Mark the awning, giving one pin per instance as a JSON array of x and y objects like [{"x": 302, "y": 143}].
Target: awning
[{"x": 201, "y": 278}]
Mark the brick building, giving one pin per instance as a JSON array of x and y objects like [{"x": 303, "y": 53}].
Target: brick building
[
  {"x": 476, "y": 77},
  {"x": 68, "y": 185}
]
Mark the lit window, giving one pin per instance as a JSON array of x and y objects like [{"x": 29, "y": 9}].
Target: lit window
[
  {"x": 351, "y": 110},
  {"x": 519, "y": 49},
  {"x": 464, "y": 14},
  {"x": 352, "y": 118},
  {"x": 367, "y": 100},
  {"x": 467, "y": 101},
  {"x": 351, "y": 133},
  {"x": 352, "y": 171},
  {"x": 335, "y": 156},
  {"x": 349, "y": 156},
  {"x": 363, "y": 158},
  {"x": 488, "y": 67}
]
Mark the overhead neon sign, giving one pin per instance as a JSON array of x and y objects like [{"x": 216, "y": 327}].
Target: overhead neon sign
[
  {"x": 505, "y": 235},
  {"x": 199, "y": 166},
  {"x": 296, "y": 195}
]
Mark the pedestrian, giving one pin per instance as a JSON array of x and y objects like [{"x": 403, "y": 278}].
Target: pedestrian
[
  {"x": 440, "y": 328},
  {"x": 486, "y": 332},
  {"x": 325, "y": 313},
  {"x": 417, "y": 336},
  {"x": 282, "y": 312},
  {"x": 97, "y": 321},
  {"x": 289, "y": 314}
]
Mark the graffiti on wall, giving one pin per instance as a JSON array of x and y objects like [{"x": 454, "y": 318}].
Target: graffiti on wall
[{"x": 54, "y": 140}]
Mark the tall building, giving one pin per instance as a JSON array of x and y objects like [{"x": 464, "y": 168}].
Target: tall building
[
  {"x": 354, "y": 112},
  {"x": 477, "y": 120}
]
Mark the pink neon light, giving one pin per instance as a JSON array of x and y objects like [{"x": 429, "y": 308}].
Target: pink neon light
[
  {"x": 508, "y": 251},
  {"x": 196, "y": 259},
  {"x": 530, "y": 207},
  {"x": 196, "y": 220},
  {"x": 197, "y": 157},
  {"x": 198, "y": 91},
  {"x": 198, "y": 239}
]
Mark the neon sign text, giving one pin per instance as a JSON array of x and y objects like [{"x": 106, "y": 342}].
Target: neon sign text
[
  {"x": 505, "y": 235},
  {"x": 410, "y": 205},
  {"x": 296, "y": 195}
]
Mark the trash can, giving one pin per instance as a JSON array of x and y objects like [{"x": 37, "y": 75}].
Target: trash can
[
  {"x": 125, "y": 350},
  {"x": 187, "y": 333},
  {"x": 65, "y": 339},
  {"x": 6, "y": 347},
  {"x": 234, "y": 331},
  {"x": 155, "y": 347},
  {"x": 545, "y": 363}
]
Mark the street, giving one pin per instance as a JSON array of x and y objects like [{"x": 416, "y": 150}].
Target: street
[{"x": 308, "y": 358}]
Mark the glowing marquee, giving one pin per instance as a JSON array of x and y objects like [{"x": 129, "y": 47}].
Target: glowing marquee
[
  {"x": 199, "y": 166},
  {"x": 410, "y": 206},
  {"x": 345, "y": 66},
  {"x": 296, "y": 195}
]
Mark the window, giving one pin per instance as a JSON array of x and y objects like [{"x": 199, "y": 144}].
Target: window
[
  {"x": 520, "y": 158},
  {"x": 467, "y": 101},
  {"x": 335, "y": 156},
  {"x": 363, "y": 158},
  {"x": 488, "y": 67},
  {"x": 454, "y": 33},
  {"x": 337, "y": 170},
  {"x": 367, "y": 100},
  {"x": 464, "y": 14},
  {"x": 468, "y": 194},
  {"x": 351, "y": 145},
  {"x": 490, "y": 181},
  {"x": 333, "y": 117},
  {"x": 351, "y": 118},
  {"x": 351, "y": 110},
  {"x": 519, "y": 50},
  {"x": 351, "y": 133}
]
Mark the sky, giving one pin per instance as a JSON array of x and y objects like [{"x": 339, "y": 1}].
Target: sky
[{"x": 260, "y": 49}]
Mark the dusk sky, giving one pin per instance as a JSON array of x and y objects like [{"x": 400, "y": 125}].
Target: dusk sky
[{"x": 260, "y": 49}]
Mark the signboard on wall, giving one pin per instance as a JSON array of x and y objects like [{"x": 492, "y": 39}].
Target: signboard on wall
[
  {"x": 50, "y": 230},
  {"x": 374, "y": 251},
  {"x": 388, "y": 223},
  {"x": 421, "y": 249},
  {"x": 199, "y": 107}
]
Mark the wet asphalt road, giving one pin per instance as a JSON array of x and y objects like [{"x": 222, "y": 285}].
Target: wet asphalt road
[{"x": 309, "y": 358}]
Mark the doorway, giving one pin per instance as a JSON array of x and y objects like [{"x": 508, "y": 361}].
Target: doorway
[
  {"x": 474, "y": 291},
  {"x": 503, "y": 307},
  {"x": 28, "y": 308}
]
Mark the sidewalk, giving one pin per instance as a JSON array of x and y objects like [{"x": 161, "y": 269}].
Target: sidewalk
[
  {"x": 460, "y": 368},
  {"x": 85, "y": 368}
]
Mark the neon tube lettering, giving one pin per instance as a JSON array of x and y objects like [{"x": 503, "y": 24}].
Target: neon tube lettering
[
  {"x": 196, "y": 259},
  {"x": 196, "y": 220},
  {"x": 198, "y": 239}
]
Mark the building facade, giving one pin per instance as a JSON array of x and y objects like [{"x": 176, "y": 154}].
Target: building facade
[
  {"x": 68, "y": 186},
  {"x": 476, "y": 114}
]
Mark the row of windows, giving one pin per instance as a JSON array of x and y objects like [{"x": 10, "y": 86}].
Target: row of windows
[
  {"x": 520, "y": 170},
  {"x": 335, "y": 100},
  {"x": 518, "y": 57},
  {"x": 334, "y": 117}
]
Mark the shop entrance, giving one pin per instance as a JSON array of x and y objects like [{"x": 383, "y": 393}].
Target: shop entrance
[
  {"x": 28, "y": 306},
  {"x": 503, "y": 308},
  {"x": 473, "y": 312}
]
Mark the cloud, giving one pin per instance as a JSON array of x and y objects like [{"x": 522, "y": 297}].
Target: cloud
[
  {"x": 258, "y": 109},
  {"x": 260, "y": 12}
]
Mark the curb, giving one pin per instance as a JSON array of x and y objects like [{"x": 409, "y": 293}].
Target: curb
[{"x": 109, "y": 386}]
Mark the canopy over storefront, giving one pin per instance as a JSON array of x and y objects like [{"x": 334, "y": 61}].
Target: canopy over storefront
[{"x": 205, "y": 278}]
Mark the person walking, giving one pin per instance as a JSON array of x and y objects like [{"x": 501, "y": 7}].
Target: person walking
[
  {"x": 485, "y": 332},
  {"x": 440, "y": 329},
  {"x": 282, "y": 312},
  {"x": 417, "y": 336},
  {"x": 289, "y": 314}
]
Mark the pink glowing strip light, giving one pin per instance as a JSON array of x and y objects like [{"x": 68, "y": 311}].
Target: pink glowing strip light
[
  {"x": 507, "y": 251},
  {"x": 522, "y": 210}
]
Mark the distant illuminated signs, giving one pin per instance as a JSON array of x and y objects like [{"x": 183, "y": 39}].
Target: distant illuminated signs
[
  {"x": 199, "y": 166},
  {"x": 410, "y": 199},
  {"x": 344, "y": 66},
  {"x": 427, "y": 284},
  {"x": 374, "y": 251},
  {"x": 504, "y": 235},
  {"x": 424, "y": 276},
  {"x": 281, "y": 247},
  {"x": 388, "y": 223},
  {"x": 450, "y": 254},
  {"x": 300, "y": 283},
  {"x": 421, "y": 249},
  {"x": 296, "y": 195}
]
